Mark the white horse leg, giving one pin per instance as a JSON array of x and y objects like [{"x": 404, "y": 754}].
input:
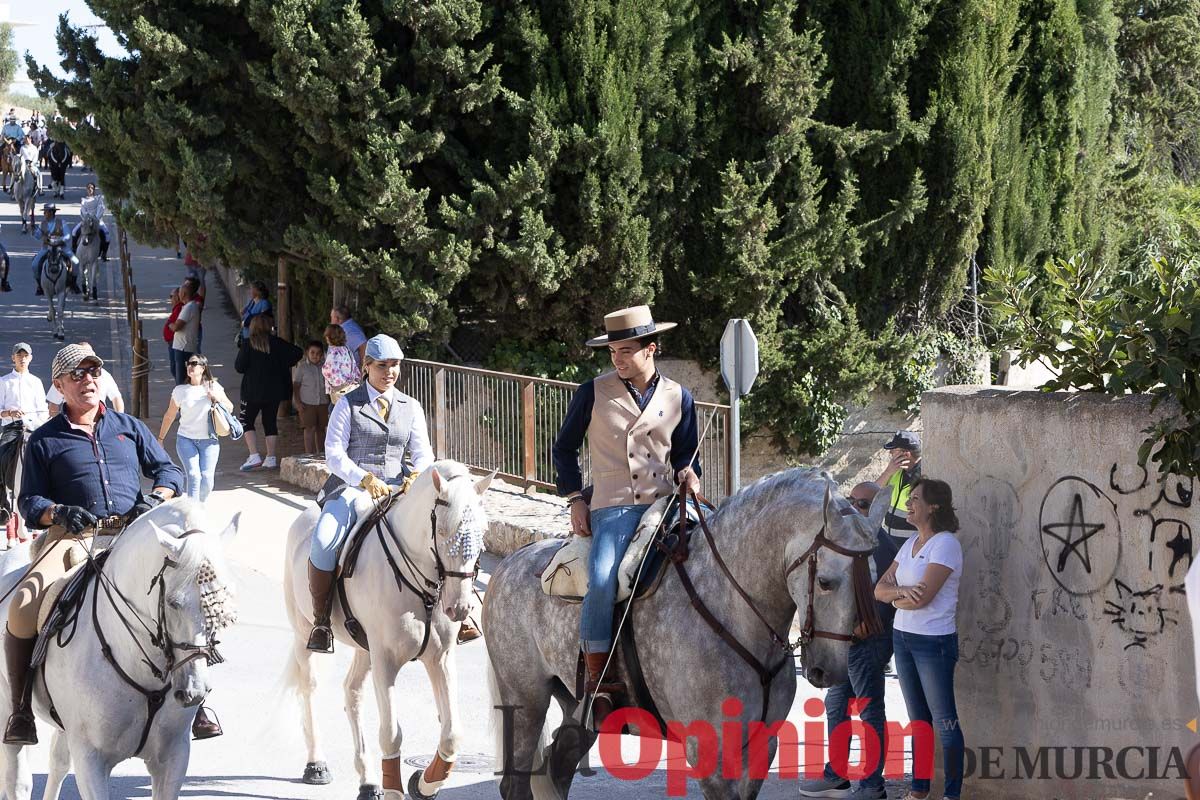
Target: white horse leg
[
  {"x": 390, "y": 736},
  {"x": 443, "y": 679},
  {"x": 316, "y": 771},
  {"x": 355, "y": 678},
  {"x": 60, "y": 765},
  {"x": 91, "y": 773},
  {"x": 168, "y": 773},
  {"x": 18, "y": 777}
]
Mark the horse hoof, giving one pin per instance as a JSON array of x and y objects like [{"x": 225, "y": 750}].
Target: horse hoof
[
  {"x": 317, "y": 773},
  {"x": 414, "y": 788},
  {"x": 369, "y": 791}
]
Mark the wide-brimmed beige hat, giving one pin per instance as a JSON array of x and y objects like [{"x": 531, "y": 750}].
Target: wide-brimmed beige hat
[{"x": 629, "y": 323}]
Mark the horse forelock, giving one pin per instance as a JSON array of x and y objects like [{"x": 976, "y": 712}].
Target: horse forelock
[
  {"x": 466, "y": 518},
  {"x": 202, "y": 550}
]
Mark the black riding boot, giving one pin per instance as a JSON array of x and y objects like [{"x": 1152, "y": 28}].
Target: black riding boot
[
  {"x": 320, "y": 585},
  {"x": 103, "y": 247},
  {"x": 72, "y": 283},
  {"x": 18, "y": 652}
]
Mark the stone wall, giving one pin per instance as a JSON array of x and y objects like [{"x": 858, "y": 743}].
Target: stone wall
[{"x": 1074, "y": 630}]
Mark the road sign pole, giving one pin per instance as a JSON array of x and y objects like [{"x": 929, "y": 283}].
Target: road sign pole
[
  {"x": 739, "y": 368},
  {"x": 735, "y": 447}
]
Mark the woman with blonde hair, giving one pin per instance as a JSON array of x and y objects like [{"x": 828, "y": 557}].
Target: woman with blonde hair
[
  {"x": 265, "y": 362},
  {"x": 196, "y": 442}
]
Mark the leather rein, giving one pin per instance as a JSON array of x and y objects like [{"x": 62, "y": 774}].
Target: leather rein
[
  {"x": 432, "y": 593},
  {"x": 808, "y": 632},
  {"x": 160, "y": 637}
]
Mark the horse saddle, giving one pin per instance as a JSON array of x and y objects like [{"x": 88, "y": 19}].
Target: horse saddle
[
  {"x": 63, "y": 598},
  {"x": 565, "y": 576}
]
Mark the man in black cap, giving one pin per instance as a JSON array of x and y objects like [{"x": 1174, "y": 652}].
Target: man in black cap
[{"x": 902, "y": 472}]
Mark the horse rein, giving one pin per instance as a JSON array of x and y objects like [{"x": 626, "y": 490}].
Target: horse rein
[
  {"x": 766, "y": 675},
  {"x": 160, "y": 637}
]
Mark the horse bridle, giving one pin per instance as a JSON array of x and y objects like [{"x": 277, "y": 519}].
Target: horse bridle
[
  {"x": 808, "y": 632},
  {"x": 160, "y": 637},
  {"x": 429, "y": 599}
]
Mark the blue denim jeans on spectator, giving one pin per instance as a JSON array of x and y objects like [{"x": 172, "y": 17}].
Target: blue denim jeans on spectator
[
  {"x": 179, "y": 364},
  {"x": 867, "y": 662},
  {"x": 925, "y": 666},
  {"x": 612, "y": 530},
  {"x": 199, "y": 460}
]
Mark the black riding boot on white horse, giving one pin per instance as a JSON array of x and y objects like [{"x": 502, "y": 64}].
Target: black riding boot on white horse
[
  {"x": 320, "y": 586},
  {"x": 18, "y": 652}
]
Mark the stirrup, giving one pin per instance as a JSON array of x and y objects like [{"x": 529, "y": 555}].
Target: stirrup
[
  {"x": 321, "y": 639},
  {"x": 21, "y": 728}
]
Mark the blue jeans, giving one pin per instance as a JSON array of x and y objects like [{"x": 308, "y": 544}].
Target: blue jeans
[
  {"x": 337, "y": 519},
  {"x": 612, "y": 530},
  {"x": 867, "y": 662},
  {"x": 179, "y": 364},
  {"x": 925, "y": 666},
  {"x": 199, "y": 459}
]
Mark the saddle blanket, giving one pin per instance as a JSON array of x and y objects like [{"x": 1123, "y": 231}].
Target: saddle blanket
[{"x": 566, "y": 575}]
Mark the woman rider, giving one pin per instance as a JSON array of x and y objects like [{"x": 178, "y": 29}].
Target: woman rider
[
  {"x": 374, "y": 433},
  {"x": 642, "y": 436}
]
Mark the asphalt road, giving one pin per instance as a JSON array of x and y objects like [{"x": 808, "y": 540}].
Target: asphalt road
[{"x": 262, "y": 753}]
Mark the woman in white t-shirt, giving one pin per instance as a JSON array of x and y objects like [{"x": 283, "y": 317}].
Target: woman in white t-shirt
[
  {"x": 196, "y": 444},
  {"x": 922, "y": 584}
]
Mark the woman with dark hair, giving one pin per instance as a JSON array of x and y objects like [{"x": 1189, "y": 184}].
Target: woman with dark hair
[
  {"x": 922, "y": 584},
  {"x": 265, "y": 362},
  {"x": 259, "y": 303},
  {"x": 196, "y": 443}
]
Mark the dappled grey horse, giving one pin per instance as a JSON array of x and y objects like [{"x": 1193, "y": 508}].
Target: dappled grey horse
[
  {"x": 783, "y": 540},
  {"x": 88, "y": 254}
]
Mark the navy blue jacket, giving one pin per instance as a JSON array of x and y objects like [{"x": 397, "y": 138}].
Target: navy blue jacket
[{"x": 64, "y": 465}]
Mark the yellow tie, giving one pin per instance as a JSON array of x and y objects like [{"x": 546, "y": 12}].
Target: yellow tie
[{"x": 383, "y": 406}]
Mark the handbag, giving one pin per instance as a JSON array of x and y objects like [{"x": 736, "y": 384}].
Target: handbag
[{"x": 222, "y": 422}]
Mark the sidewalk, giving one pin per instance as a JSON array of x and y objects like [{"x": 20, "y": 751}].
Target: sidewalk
[{"x": 258, "y": 494}]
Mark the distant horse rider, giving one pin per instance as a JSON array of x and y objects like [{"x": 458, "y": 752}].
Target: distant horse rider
[
  {"x": 69, "y": 491},
  {"x": 92, "y": 204},
  {"x": 50, "y": 227},
  {"x": 642, "y": 434},
  {"x": 29, "y": 160},
  {"x": 12, "y": 130},
  {"x": 58, "y": 156},
  {"x": 375, "y": 432}
]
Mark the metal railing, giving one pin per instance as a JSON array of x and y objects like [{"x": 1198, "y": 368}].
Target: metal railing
[{"x": 506, "y": 422}]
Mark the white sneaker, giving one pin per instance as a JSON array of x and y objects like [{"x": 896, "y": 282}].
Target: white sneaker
[
  {"x": 270, "y": 462},
  {"x": 253, "y": 462}
]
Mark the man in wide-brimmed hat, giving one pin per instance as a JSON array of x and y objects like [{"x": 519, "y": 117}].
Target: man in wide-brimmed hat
[{"x": 642, "y": 435}]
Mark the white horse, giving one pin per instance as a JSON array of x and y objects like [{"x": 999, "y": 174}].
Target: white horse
[
  {"x": 53, "y": 278},
  {"x": 164, "y": 574},
  {"x": 433, "y": 537},
  {"x": 25, "y": 190},
  {"x": 88, "y": 254}
]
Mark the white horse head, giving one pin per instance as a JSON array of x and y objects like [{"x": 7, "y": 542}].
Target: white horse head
[
  {"x": 457, "y": 528},
  {"x": 189, "y": 590}
]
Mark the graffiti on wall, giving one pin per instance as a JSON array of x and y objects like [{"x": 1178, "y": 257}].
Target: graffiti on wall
[{"x": 1082, "y": 541}]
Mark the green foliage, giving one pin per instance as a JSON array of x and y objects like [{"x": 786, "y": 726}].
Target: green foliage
[
  {"x": 824, "y": 169},
  {"x": 1116, "y": 331},
  {"x": 46, "y": 107},
  {"x": 8, "y": 57},
  {"x": 957, "y": 355}
]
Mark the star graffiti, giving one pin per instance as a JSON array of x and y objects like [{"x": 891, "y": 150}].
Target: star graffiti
[{"x": 1074, "y": 535}]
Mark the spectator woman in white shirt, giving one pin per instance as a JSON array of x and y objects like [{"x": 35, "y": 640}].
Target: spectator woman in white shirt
[
  {"x": 196, "y": 443},
  {"x": 922, "y": 584}
]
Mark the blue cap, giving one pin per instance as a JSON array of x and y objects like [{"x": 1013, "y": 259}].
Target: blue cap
[
  {"x": 382, "y": 347},
  {"x": 904, "y": 440}
]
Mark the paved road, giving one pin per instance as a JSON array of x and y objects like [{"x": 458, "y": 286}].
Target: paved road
[{"x": 262, "y": 753}]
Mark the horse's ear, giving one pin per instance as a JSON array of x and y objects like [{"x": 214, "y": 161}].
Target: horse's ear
[
  {"x": 832, "y": 514},
  {"x": 879, "y": 507},
  {"x": 438, "y": 484},
  {"x": 482, "y": 484},
  {"x": 172, "y": 546},
  {"x": 231, "y": 529}
]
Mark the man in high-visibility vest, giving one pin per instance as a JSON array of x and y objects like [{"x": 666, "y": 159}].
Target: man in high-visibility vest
[{"x": 902, "y": 472}]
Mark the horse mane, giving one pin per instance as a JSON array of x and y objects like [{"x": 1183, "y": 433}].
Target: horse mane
[{"x": 174, "y": 516}]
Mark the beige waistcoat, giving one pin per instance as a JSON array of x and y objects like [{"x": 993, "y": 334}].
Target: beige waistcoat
[{"x": 631, "y": 449}]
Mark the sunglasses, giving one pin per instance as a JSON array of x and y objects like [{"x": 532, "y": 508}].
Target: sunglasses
[
  {"x": 195, "y": 363},
  {"x": 79, "y": 373},
  {"x": 860, "y": 503}
]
